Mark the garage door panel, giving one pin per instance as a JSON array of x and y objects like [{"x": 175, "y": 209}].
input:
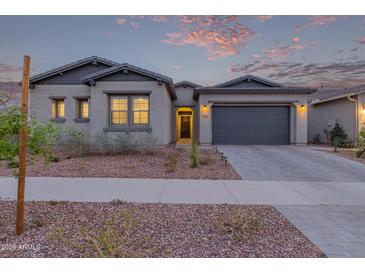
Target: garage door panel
[{"x": 251, "y": 125}]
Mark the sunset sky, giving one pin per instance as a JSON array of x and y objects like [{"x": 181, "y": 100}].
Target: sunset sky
[{"x": 326, "y": 51}]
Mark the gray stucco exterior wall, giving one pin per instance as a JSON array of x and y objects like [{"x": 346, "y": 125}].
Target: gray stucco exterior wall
[
  {"x": 160, "y": 105},
  {"x": 321, "y": 115},
  {"x": 298, "y": 116},
  {"x": 40, "y": 103},
  {"x": 160, "y": 108}
]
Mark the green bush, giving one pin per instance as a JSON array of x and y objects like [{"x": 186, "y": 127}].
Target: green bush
[
  {"x": 40, "y": 136},
  {"x": 13, "y": 164},
  {"x": 194, "y": 155},
  {"x": 338, "y": 136}
]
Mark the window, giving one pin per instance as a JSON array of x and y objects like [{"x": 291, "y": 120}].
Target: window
[
  {"x": 83, "y": 109},
  {"x": 58, "y": 108},
  {"x": 119, "y": 110},
  {"x": 140, "y": 110},
  {"x": 129, "y": 110}
]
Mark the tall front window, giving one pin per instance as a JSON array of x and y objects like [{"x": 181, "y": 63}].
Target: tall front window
[
  {"x": 129, "y": 110},
  {"x": 140, "y": 110},
  {"x": 119, "y": 110},
  {"x": 58, "y": 108},
  {"x": 83, "y": 108}
]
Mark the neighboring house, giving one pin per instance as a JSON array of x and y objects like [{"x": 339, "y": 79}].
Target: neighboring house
[
  {"x": 102, "y": 98},
  {"x": 328, "y": 107}
]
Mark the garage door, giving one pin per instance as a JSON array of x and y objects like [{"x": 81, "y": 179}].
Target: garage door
[{"x": 251, "y": 125}]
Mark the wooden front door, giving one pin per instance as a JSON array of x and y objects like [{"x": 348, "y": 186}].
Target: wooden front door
[{"x": 185, "y": 127}]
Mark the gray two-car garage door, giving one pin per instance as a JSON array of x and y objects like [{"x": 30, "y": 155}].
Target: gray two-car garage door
[{"x": 251, "y": 125}]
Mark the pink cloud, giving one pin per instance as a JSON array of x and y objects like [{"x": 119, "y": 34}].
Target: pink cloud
[
  {"x": 9, "y": 68},
  {"x": 159, "y": 18},
  {"x": 222, "y": 36},
  {"x": 361, "y": 40},
  {"x": 330, "y": 75},
  {"x": 121, "y": 20},
  {"x": 256, "y": 56},
  {"x": 296, "y": 39},
  {"x": 283, "y": 51},
  {"x": 316, "y": 21},
  {"x": 264, "y": 18},
  {"x": 177, "y": 67}
]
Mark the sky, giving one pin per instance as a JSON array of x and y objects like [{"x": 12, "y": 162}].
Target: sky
[{"x": 314, "y": 51}]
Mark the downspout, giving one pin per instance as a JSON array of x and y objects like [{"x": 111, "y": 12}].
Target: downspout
[{"x": 357, "y": 116}]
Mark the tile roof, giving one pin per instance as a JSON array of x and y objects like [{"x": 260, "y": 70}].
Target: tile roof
[
  {"x": 72, "y": 65},
  {"x": 186, "y": 83},
  {"x": 329, "y": 94},
  {"x": 245, "y": 78}
]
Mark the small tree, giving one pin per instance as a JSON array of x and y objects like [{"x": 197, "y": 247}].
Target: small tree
[
  {"x": 194, "y": 155},
  {"x": 338, "y": 136}
]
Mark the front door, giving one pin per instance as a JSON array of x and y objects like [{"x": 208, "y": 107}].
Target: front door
[{"x": 185, "y": 127}]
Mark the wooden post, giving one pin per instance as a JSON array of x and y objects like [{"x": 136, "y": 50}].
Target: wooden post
[{"x": 22, "y": 147}]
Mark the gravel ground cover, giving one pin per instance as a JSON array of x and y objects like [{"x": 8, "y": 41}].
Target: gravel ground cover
[
  {"x": 165, "y": 162},
  {"x": 118, "y": 229},
  {"x": 347, "y": 153}
]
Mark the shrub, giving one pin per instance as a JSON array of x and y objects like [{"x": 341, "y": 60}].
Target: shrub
[
  {"x": 53, "y": 202},
  {"x": 194, "y": 155},
  {"x": 205, "y": 160},
  {"x": 13, "y": 163},
  {"x": 53, "y": 159},
  {"x": 121, "y": 144},
  {"x": 116, "y": 236},
  {"x": 338, "y": 136},
  {"x": 361, "y": 143},
  {"x": 36, "y": 223},
  {"x": 172, "y": 160},
  {"x": 239, "y": 225},
  {"x": 40, "y": 136}
]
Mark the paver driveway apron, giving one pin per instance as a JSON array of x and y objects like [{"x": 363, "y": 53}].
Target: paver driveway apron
[
  {"x": 336, "y": 224},
  {"x": 292, "y": 163}
]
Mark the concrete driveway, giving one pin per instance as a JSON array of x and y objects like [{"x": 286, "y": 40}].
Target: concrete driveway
[{"x": 292, "y": 163}]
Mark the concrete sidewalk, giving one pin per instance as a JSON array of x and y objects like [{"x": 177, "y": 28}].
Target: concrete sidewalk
[{"x": 186, "y": 191}]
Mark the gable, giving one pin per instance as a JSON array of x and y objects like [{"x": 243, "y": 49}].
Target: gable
[
  {"x": 121, "y": 76},
  {"x": 72, "y": 76},
  {"x": 248, "y": 81},
  {"x": 248, "y": 84}
]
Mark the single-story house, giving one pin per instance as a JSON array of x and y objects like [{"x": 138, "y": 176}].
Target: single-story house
[
  {"x": 343, "y": 106},
  {"x": 103, "y": 98}
]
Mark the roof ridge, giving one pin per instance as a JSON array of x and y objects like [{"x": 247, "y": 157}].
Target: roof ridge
[
  {"x": 71, "y": 65},
  {"x": 248, "y": 76},
  {"x": 129, "y": 66},
  {"x": 188, "y": 83}
]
